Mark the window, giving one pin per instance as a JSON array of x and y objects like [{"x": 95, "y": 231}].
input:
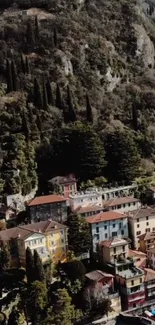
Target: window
[
  {"x": 153, "y": 229},
  {"x": 132, "y": 282},
  {"x": 62, "y": 241},
  {"x": 105, "y": 227},
  {"x": 97, "y": 237},
  {"x": 138, "y": 233},
  {"x": 147, "y": 223},
  {"x": 134, "y": 203},
  {"x": 147, "y": 230},
  {"x": 141, "y": 281},
  {"x": 114, "y": 234},
  {"x": 120, "y": 225},
  {"x": 123, "y": 205},
  {"x": 62, "y": 232},
  {"x": 147, "y": 218},
  {"x": 106, "y": 236},
  {"x": 137, "y": 220},
  {"x": 122, "y": 232},
  {"x": 52, "y": 243},
  {"x": 97, "y": 229},
  {"x": 138, "y": 225},
  {"x": 128, "y": 204},
  {"x": 114, "y": 250},
  {"x": 113, "y": 225}
]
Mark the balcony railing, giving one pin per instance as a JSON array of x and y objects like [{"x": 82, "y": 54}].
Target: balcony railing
[
  {"x": 151, "y": 285},
  {"x": 151, "y": 293},
  {"x": 136, "y": 298}
]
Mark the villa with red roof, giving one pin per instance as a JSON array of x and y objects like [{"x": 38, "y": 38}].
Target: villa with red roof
[
  {"x": 48, "y": 206},
  {"x": 107, "y": 225}
]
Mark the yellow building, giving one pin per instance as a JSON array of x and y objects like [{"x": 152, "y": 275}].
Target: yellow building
[
  {"x": 146, "y": 241},
  {"x": 49, "y": 238},
  {"x": 111, "y": 250}
]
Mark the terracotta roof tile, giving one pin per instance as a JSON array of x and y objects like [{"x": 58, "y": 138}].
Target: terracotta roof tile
[
  {"x": 113, "y": 242},
  {"x": 142, "y": 213},
  {"x": 88, "y": 208},
  {"x": 46, "y": 199},
  {"x": 98, "y": 275},
  {"x": 151, "y": 250},
  {"x": 119, "y": 201},
  {"x": 149, "y": 274},
  {"x": 26, "y": 230},
  {"x": 136, "y": 253},
  {"x": 147, "y": 236},
  {"x": 105, "y": 216}
]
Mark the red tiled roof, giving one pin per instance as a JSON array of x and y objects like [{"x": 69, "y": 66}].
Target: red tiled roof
[
  {"x": 119, "y": 201},
  {"x": 46, "y": 199},
  {"x": 24, "y": 231},
  {"x": 88, "y": 208},
  {"x": 136, "y": 253},
  {"x": 143, "y": 212},
  {"x": 147, "y": 236},
  {"x": 149, "y": 274},
  {"x": 113, "y": 242},
  {"x": 98, "y": 275},
  {"x": 105, "y": 216}
]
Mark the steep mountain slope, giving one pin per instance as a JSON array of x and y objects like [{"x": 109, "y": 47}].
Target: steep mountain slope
[{"x": 103, "y": 48}]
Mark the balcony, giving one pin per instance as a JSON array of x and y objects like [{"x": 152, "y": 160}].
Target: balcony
[
  {"x": 151, "y": 293},
  {"x": 151, "y": 285},
  {"x": 136, "y": 297}
]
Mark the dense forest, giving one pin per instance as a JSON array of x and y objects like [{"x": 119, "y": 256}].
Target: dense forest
[{"x": 77, "y": 91}]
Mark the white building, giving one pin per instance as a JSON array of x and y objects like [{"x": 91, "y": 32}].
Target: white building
[
  {"x": 87, "y": 198},
  {"x": 111, "y": 193},
  {"x": 140, "y": 222},
  {"x": 123, "y": 204},
  {"x": 107, "y": 225}
]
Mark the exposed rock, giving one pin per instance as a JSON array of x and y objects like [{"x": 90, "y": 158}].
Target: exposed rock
[{"x": 145, "y": 47}]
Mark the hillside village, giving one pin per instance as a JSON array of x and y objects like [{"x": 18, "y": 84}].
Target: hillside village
[{"x": 116, "y": 244}]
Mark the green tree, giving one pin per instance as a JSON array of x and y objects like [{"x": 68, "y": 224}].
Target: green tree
[
  {"x": 22, "y": 60},
  {"x": 14, "y": 317},
  {"x": 49, "y": 93},
  {"x": 79, "y": 237},
  {"x": 89, "y": 113},
  {"x": 9, "y": 76},
  {"x": 5, "y": 258},
  {"x": 29, "y": 265},
  {"x": 27, "y": 66},
  {"x": 122, "y": 156},
  {"x": 71, "y": 110},
  {"x": 30, "y": 34},
  {"x": 63, "y": 311},
  {"x": 48, "y": 272},
  {"x": 36, "y": 301},
  {"x": 36, "y": 28},
  {"x": 59, "y": 100},
  {"x": 55, "y": 38},
  {"x": 45, "y": 98},
  {"x": 14, "y": 75},
  {"x": 37, "y": 98},
  {"x": 38, "y": 268}
]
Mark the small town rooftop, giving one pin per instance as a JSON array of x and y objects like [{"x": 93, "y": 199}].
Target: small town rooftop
[
  {"x": 98, "y": 275},
  {"x": 149, "y": 274},
  {"x": 147, "y": 236},
  {"x": 105, "y": 216},
  {"x": 119, "y": 201},
  {"x": 88, "y": 208},
  {"x": 113, "y": 242},
  {"x": 143, "y": 212},
  {"x": 46, "y": 199}
]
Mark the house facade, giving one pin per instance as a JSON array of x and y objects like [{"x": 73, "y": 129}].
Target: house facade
[
  {"x": 146, "y": 241},
  {"x": 66, "y": 185},
  {"x": 114, "y": 192},
  {"x": 130, "y": 281},
  {"x": 122, "y": 204},
  {"x": 49, "y": 206},
  {"x": 151, "y": 258},
  {"x": 89, "y": 210},
  {"x": 87, "y": 198},
  {"x": 149, "y": 284},
  {"x": 140, "y": 222},
  {"x": 107, "y": 225},
  {"x": 111, "y": 250},
  {"x": 49, "y": 238}
]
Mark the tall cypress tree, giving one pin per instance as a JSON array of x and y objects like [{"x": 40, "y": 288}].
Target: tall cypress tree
[
  {"x": 38, "y": 268},
  {"x": 22, "y": 60},
  {"x": 59, "y": 100},
  {"x": 14, "y": 75},
  {"x": 39, "y": 123},
  {"x": 37, "y": 98},
  {"x": 36, "y": 28},
  {"x": 45, "y": 99},
  {"x": 55, "y": 38},
  {"x": 49, "y": 93},
  {"x": 5, "y": 258},
  {"x": 9, "y": 77},
  {"x": 27, "y": 66},
  {"x": 30, "y": 34},
  {"x": 134, "y": 116},
  {"x": 29, "y": 265},
  {"x": 71, "y": 110},
  {"x": 25, "y": 126},
  {"x": 89, "y": 113}
]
